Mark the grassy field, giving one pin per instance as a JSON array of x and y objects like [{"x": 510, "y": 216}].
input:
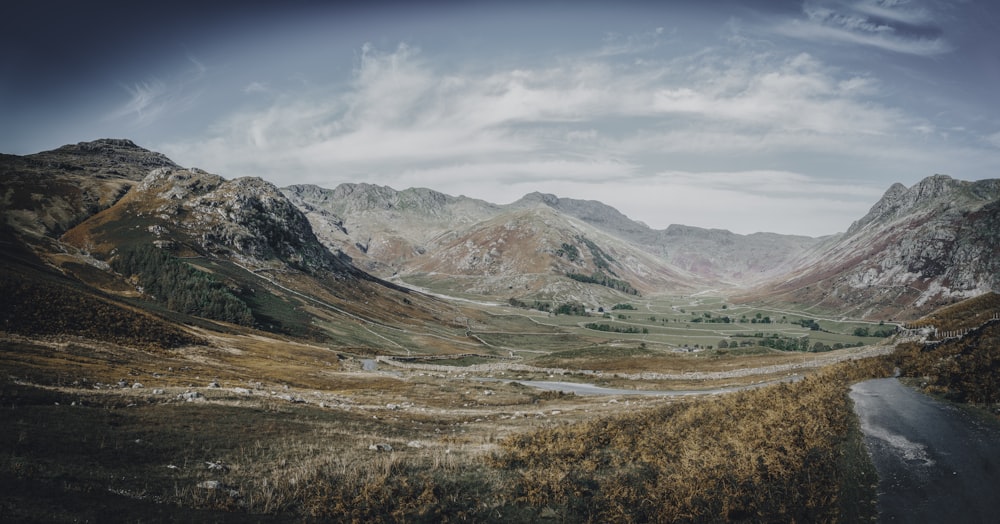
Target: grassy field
[{"x": 248, "y": 426}]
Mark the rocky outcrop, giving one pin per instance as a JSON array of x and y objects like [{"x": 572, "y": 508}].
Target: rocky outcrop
[
  {"x": 918, "y": 248},
  {"x": 380, "y": 229}
]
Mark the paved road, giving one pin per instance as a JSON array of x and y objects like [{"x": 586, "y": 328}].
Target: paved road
[{"x": 936, "y": 462}]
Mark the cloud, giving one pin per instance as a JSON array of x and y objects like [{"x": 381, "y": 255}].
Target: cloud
[
  {"x": 151, "y": 99},
  {"x": 886, "y": 25},
  {"x": 146, "y": 101},
  {"x": 255, "y": 87},
  {"x": 618, "y": 44},
  {"x": 584, "y": 126}
]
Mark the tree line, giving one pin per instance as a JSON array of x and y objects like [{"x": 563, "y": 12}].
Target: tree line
[{"x": 180, "y": 287}]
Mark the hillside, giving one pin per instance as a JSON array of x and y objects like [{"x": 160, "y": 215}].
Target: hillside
[
  {"x": 917, "y": 249},
  {"x": 716, "y": 255},
  {"x": 200, "y": 249},
  {"x": 541, "y": 253}
]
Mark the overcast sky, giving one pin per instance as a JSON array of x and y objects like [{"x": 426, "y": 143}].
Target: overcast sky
[{"x": 784, "y": 116}]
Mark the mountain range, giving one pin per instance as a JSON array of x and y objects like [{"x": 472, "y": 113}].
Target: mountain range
[{"x": 73, "y": 216}]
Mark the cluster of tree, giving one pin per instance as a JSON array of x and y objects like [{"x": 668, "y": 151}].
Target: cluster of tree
[
  {"x": 882, "y": 331},
  {"x": 807, "y": 323},
  {"x": 781, "y": 343},
  {"x": 569, "y": 251},
  {"x": 572, "y": 308},
  {"x": 707, "y": 317},
  {"x": 622, "y": 306},
  {"x": 615, "y": 329},
  {"x": 537, "y": 304},
  {"x": 601, "y": 259},
  {"x": 180, "y": 287},
  {"x": 602, "y": 279}
]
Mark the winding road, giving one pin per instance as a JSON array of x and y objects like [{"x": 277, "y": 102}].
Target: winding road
[{"x": 936, "y": 462}]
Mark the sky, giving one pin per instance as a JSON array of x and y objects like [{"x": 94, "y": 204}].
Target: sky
[{"x": 791, "y": 117}]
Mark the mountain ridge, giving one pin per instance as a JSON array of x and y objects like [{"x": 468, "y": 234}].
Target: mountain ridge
[{"x": 916, "y": 248}]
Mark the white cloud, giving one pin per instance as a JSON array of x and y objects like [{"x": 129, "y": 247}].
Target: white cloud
[
  {"x": 146, "y": 101},
  {"x": 587, "y": 126},
  {"x": 154, "y": 98},
  {"x": 255, "y": 87},
  {"x": 866, "y": 23}
]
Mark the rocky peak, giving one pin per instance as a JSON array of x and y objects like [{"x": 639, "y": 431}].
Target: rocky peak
[
  {"x": 247, "y": 219},
  {"x": 899, "y": 200},
  {"x": 535, "y": 197},
  {"x": 113, "y": 155}
]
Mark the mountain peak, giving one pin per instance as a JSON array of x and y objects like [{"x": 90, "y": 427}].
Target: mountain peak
[
  {"x": 541, "y": 198},
  {"x": 106, "y": 155},
  {"x": 899, "y": 199}
]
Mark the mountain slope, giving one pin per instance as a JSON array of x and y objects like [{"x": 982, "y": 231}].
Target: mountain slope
[
  {"x": 715, "y": 254},
  {"x": 47, "y": 193},
  {"x": 918, "y": 248},
  {"x": 236, "y": 251},
  {"x": 381, "y": 229},
  {"x": 541, "y": 253}
]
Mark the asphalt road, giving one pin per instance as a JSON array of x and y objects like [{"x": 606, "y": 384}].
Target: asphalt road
[{"x": 936, "y": 462}]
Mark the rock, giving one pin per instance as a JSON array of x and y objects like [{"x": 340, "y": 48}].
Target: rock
[
  {"x": 210, "y": 484},
  {"x": 190, "y": 396},
  {"x": 158, "y": 392},
  {"x": 213, "y": 384},
  {"x": 414, "y": 444},
  {"x": 242, "y": 391},
  {"x": 137, "y": 386},
  {"x": 380, "y": 447}
]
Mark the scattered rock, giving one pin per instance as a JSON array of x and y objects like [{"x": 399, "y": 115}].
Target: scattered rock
[
  {"x": 158, "y": 392},
  {"x": 137, "y": 385},
  {"x": 217, "y": 466},
  {"x": 210, "y": 484},
  {"x": 213, "y": 384},
  {"x": 380, "y": 447},
  {"x": 190, "y": 396},
  {"x": 242, "y": 391},
  {"x": 414, "y": 444}
]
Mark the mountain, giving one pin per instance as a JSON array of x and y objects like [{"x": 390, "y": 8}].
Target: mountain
[
  {"x": 110, "y": 227},
  {"x": 47, "y": 193},
  {"x": 541, "y": 253},
  {"x": 714, "y": 254},
  {"x": 381, "y": 229},
  {"x": 918, "y": 248},
  {"x": 83, "y": 209},
  {"x": 391, "y": 232},
  {"x": 470, "y": 246}
]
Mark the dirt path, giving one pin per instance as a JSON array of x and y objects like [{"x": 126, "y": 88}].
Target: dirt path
[{"x": 936, "y": 462}]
